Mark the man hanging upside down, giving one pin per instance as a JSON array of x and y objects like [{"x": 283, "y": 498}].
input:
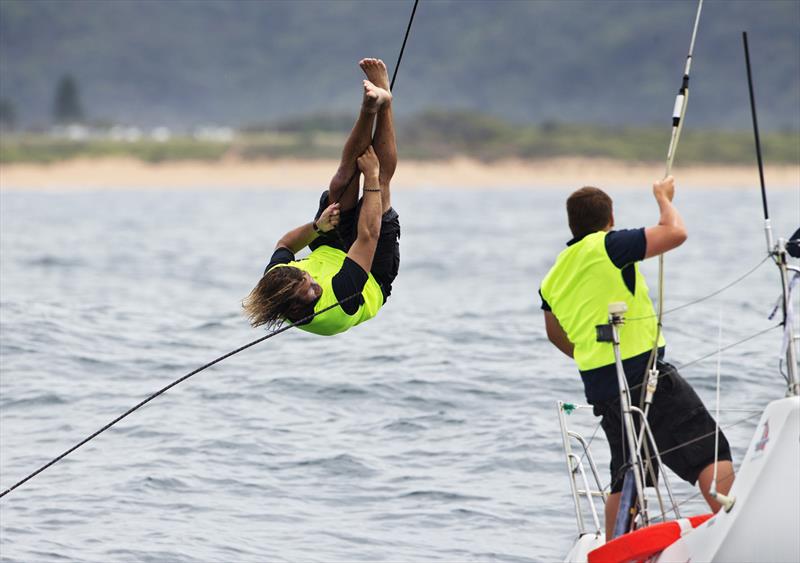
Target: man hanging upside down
[{"x": 355, "y": 254}]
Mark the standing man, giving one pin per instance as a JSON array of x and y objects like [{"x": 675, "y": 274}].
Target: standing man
[
  {"x": 598, "y": 267},
  {"x": 356, "y": 264}
]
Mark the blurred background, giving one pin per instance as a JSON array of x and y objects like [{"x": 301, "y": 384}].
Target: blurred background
[
  {"x": 186, "y": 79},
  {"x": 431, "y": 433}
]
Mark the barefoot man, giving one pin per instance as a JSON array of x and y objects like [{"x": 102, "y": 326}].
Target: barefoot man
[{"x": 355, "y": 254}]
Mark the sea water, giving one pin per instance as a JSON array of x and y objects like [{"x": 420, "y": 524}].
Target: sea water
[{"x": 428, "y": 434}]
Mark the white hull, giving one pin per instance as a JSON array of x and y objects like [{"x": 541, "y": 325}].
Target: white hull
[
  {"x": 764, "y": 523},
  {"x": 586, "y": 543}
]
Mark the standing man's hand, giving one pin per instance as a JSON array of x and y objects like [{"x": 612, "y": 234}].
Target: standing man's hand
[
  {"x": 670, "y": 232},
  {"x": 329, "y": 218},
  {"x": 665, "y": 188},
  {"x": 369, "y": 165}
]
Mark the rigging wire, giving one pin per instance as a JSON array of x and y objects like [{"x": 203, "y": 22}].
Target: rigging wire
[
  {"x": 678, "y": 113},
  {"x": 753, "y": 413},
  {"x": 779, "y": 251},
  {"x": 709, "y": 296},
  {"x": 720, "y": 290},
  {"x": 729, "y": 346},
  {"x": 717, "y": 351},
  {"x": 695, "y": 495},
  {"x": 219, "y": 359},
  {"x": 649, "y": 458},
  {"x": 651, "y": 370},
  {"x": 589, "y": 443},
  {"x": 696, "y": 439},
  {"x": 710, "y": 354},
  {"x": 713, "y": 491}
]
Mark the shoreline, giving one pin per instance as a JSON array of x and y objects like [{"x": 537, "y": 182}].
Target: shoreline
[{"x": 557, "y": 173}]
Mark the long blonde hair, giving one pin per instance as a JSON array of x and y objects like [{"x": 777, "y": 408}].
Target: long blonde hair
[{"x": 274, "y": 298}]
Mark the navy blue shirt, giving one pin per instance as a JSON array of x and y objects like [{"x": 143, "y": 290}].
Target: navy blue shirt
[{"x": 624, "y": 248}]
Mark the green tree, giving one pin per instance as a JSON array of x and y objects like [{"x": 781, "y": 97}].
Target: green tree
[
  {"x": 8, "y": 115},
  {"x": 67, "y": 107}
]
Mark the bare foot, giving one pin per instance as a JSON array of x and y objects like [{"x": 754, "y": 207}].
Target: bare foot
[
  {"x": 376, "y": 72},
  {"x": 374, "y": 97}
]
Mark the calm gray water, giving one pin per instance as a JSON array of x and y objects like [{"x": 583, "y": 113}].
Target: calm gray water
[{"x": 427, "y": 434}]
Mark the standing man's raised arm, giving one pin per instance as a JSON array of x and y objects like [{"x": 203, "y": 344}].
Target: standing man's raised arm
[
  {"x": 670, "y": 232},
  {"x": 297, "y": 239}
]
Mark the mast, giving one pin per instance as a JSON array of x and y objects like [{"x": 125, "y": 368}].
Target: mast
[{"x": 776, "y": 250}]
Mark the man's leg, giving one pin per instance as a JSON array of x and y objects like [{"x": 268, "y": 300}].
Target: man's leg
[
  {"x": 612, "y": 507},
  {"x": 725, "y": 477},
  {"x": 678, "y": 418},
  {"x": 384, "y": 142},
  {"x": 344, "y": 185}
]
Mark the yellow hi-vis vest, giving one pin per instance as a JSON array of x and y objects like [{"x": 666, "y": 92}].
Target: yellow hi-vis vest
[
  {"x": 322, "y": 264},
  {"x": 579, "y": 287}
]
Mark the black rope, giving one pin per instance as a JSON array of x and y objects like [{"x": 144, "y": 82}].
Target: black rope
[
  {"x": 403, "y": 46},
  {"x": 391, "y": 87},
  {"x": 170, "y": 386},
  {"x": 225, "y": 356}
]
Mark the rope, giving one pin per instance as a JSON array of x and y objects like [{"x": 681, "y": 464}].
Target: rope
[
  {"x": 678, "y": 113},
  {"x": 742, "y": 341},
  {"x": 706, "y": 356},
  {"x": 692, "y": 497},
  {"x": 716, "y": 433},
  {"x": 391, "y": 87},
  {"x": 403, "y": 46},
  {"x": 648, "y": 459},
  {"x": 589, "y": 443},
  {"x": 709, "y": 296},
  {"x": 167, "y": 388},
  {"x": 688, "y": 442},
  {"x": 224, "y": 356}
]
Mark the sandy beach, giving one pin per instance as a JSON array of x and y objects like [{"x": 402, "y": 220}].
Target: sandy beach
[{"x": 126, "y": 173}]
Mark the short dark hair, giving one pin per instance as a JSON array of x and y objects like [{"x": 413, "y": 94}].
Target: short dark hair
[
  {"x": 589, "y": 210},
  {"x": 274, "y": 298}
]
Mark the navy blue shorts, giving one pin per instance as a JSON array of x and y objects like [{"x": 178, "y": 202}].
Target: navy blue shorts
[
  {"x": 386, "y": 262},
  {"x": 682, "y": 427}
]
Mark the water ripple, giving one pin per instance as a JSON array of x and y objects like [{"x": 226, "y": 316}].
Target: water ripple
[{"x": 428, "y": 434}]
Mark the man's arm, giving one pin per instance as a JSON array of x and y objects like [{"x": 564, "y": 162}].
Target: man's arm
[
  {"x": 556, "y": 334},
  {"x": 670, "y": 232},
  {"x": 297, "y": 239},
  {"x": 369, "y": 219}
]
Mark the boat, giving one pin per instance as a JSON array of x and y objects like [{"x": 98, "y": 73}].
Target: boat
[
  {"x": 760, "y": 516},
  {"x": 760, "y": 520}
]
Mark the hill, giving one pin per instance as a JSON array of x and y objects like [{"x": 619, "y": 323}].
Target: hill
[{"x": 182, "y": 63}]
